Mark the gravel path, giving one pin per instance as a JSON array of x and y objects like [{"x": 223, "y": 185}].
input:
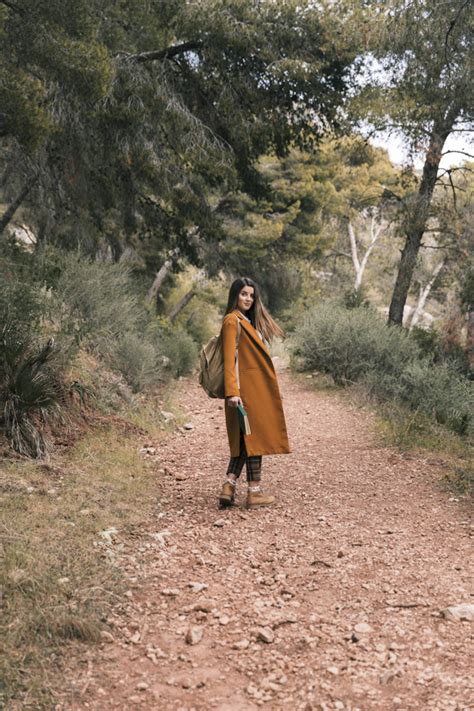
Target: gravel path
[{"x": 329, "y": 600}]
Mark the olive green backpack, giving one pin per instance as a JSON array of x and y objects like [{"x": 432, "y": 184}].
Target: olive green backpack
[{"x": 211, "y": 365}]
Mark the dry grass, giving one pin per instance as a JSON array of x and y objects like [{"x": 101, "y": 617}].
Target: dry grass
[
  {"x": 415, "y": 432},
  {"x": 410, "y": 431},
  {"x": 57, "y": 573}
]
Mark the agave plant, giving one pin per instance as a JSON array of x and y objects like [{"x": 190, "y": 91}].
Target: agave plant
[{"x": 30, "y": 390}]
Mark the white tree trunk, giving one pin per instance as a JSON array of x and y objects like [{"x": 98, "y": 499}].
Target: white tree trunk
[
  {"x": 360, "y": 265},
  {"x": 423, "y": 295},
  {"x": 161, "y": 275}
]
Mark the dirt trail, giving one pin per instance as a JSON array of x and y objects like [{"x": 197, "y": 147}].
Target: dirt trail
[{"x": 360, "y": 536}]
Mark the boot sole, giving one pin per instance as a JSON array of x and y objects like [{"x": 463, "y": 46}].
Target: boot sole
[
  {"x": 225, "y": 503},
  {"x": 258, "y": 506}
]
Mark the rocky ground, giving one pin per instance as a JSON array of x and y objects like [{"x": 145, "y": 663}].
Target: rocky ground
[{"x": 331, "y": 599}]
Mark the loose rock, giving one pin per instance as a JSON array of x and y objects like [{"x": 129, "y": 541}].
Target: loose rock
[
  {"x": 265, "y": 634},
  {"x": 194, "y": 635},
  {"x": 455, "y": 613}
]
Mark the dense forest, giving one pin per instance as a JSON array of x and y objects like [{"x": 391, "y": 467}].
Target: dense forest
[{"x": 152, "y": 151}]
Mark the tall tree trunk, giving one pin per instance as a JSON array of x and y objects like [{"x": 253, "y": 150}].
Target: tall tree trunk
[
  {"x": 418, "y": 216},
  {"x": 423, "y": 295},
  {"x": 359, "y": 266},
  {"x": 10, "y": 211},
  {"x": 160, "y": 276},
  {"x": 176, "y": 310}
]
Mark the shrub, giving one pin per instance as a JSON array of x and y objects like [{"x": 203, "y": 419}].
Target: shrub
[
  {"x": 356, "y": 345},
  {"x": 30, "y": 390},
  {"x": 347, "y": 343},
  {"x": 137, "y": 359},
  {"x": 98, "y": 303},
  {"x": 180, "y": 352},
  {"x": 435, "y": 390}
]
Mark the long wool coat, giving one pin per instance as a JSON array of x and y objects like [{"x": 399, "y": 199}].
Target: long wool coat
[{"x": 258, "y": 389}]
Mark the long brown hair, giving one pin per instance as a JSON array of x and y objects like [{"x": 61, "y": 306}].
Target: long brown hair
[{"x": 258, "y": 314}]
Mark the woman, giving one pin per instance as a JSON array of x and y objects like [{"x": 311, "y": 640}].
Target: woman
[{"x": 250, "y": 380}]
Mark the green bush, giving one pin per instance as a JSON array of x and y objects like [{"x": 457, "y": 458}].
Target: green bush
[
  {"x": 179, "y": 352},
  {"x": 356, "y": 345},
  {"x": 438, "y": 350},
  {"x": 348, "y": 343},
  {"x": 138, "y": 361},
  {"x": 30, "y": 389},
  {"x": 434, "y": 389},
  {"x": 96, "y": 303}
]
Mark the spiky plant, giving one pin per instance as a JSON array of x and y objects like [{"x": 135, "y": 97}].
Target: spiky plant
[{"x": 30, "y": 390}]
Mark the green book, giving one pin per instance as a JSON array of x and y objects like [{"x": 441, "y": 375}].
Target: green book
[{"x": 244, "y": 420}]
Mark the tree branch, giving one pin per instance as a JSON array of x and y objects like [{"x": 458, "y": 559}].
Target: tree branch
[
  {"x": 464, "y": 153},
  {"x": 452, "y": 25},
  {"x": 162, "y": 54}
]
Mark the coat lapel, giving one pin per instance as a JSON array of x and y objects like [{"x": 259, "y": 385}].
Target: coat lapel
[{"x": 252, "y": 333}]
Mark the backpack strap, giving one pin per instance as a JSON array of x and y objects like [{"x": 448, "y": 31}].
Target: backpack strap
[{"x": 239, "y": 327}]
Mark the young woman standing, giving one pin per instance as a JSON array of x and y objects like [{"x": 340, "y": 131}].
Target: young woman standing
[{"x": 250, "y": 380}]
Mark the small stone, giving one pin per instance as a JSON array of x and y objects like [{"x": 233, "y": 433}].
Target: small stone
[
  {"x": 265, "y": 634},
  {"x": 224, "y": 620},
  {"x": 186, "y": 684},
  {"x": 63, "y": 581},
  {"x": 220, "y": 523},
  {"x": 170, "y": 592},
  {"x": 241, "y": 644},
  {"x": 148, "y": 450},
  {"x": 363, "y": 628},
  {"x": 455, "y": 613},
  {"x": 198, "y": 587},
  {"x": 167, "y": 416},
  {"x": 180, "y": 477},
  {"x": 194, "y": 635},
  {"x": 340, "y": 554},
  {"x": 107, "y": 637},
  {"x": 333, "y": 670},
  {"x": 203, "y": 606},
  {"x": 108, "y": 534},
  {"x": 188, "y": 426},
  {"x": 142, "y": 686}
]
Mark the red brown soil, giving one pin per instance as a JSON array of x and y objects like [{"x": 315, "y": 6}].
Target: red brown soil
[{"x": 360, "y": 533}]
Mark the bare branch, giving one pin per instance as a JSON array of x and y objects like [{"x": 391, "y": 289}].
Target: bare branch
[
  {"x": 463, "y": 153},
  {"x": 452, "y": 25}
]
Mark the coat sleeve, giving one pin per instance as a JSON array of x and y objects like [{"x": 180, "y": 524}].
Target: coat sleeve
[{"x": 229, "y": 344}]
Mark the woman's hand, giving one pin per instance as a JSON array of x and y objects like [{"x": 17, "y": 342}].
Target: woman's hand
[{"x": 234, "y": 401}]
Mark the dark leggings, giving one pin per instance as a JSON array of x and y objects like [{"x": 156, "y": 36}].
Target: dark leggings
[{"x": 253, "y": 464}]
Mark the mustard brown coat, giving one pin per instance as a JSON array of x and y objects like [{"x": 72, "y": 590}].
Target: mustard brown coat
[{"x": 258, "y": 389}]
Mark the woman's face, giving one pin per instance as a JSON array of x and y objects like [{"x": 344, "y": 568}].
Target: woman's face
[{"x": 246, "y": 297}]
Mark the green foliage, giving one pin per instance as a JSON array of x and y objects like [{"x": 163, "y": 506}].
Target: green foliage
[
  {"x": 438, "y": 350},
  {"x": 355, "y": 345},
  {"x": 178, "y": 351},
  {"x": 347, "y": 343},
  {"x": 142, "y": 115},
  {"x": 30, "y": 389},
  {"x": 97, "y": 303},
  {"x": 138, "y": 361}
]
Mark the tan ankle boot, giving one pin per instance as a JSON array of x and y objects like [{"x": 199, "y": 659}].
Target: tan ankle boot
[
  {"x": 227, "y": 495},
  {"x": 256, "y": 499}
]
